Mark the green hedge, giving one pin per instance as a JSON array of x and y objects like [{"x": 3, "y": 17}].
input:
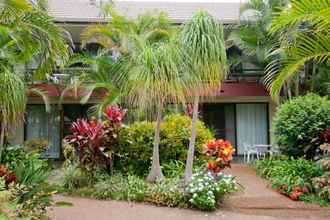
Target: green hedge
[
  {"x": 136, "y": 143},
  {"x": 298, "y": 122}
]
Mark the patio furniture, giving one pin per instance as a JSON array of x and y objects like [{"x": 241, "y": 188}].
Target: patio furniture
[
  {"x": 248, "y": 152},
  {"x": 274, "y": 150},
  {"x": 262, "y": 149}
]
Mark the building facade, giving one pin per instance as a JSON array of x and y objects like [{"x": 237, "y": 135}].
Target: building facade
[{"x": 241, "y": 111}]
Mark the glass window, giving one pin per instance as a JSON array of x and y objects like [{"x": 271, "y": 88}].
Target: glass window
[{"x": 43, "y": 125}]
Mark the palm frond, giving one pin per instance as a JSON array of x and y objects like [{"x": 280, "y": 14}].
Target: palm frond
[
  {"x": 43, "y": 94},
  {"x": 12, "y": 97},
  {"x": 316, "y": 13},
  {"x": 315, "y": 48}
]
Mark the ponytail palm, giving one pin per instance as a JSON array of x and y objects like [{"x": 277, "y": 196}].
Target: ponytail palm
[
  {"x": 203, "y": 42},
  {"x": 155, "y": 78},
  {"x": 12, "y": 101},
  {"x": 310, "y": 45}
]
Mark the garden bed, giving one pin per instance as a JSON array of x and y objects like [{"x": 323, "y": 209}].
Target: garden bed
[{"x": 296, "y": 178}]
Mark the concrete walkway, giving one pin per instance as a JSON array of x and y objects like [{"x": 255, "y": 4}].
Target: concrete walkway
[{"x": 257, "y": 202}]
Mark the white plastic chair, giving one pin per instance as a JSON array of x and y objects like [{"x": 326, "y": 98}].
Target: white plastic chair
[
  {"x": 248, "y": 151},
  {"x": 274, "y": 151}
]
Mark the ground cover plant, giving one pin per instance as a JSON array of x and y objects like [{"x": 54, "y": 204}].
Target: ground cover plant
[{"x": 299, "y": 179}]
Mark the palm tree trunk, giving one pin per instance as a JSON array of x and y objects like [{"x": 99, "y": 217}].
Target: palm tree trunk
[
  {"x": 2, "y": 138},
  {"x": 296, "y": 88},
  {"x": 191, "y": 150},
  {"x": 156, "y": 174},
  {"x": 289, "y": 91}
]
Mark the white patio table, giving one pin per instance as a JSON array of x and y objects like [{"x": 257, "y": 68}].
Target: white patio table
[{"x": 263, "y": 149}]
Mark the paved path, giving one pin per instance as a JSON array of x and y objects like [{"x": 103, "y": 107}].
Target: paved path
[{"x": 257, "y": 202}]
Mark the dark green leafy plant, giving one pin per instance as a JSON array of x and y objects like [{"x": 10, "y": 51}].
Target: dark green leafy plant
[{"x": 300, "y": 121}]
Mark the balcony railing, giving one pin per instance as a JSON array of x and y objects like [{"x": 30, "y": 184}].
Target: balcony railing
[
  {"x": 60, "y": 76},
  {"x": 67, "y": 75}
]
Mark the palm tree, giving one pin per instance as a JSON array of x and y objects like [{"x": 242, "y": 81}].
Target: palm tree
[
  {"x": 203, "y": 42},
  {"x": 101, "y": 71},
  {"x": 28, "y": 34},
  {"x": 312, "y": 45},
  {"x": 251, "y": 35},
  {"x": 150, "y": 76}
]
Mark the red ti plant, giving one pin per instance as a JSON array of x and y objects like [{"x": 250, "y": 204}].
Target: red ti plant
[
  {"x": 94, "y": 140},
  {"x": 114, "y": 114},
  {"x": 8, "y": 176},
  {"x": 114, "y": 117},
  {"x": 86, "y": 137},
  {"x": 220, "y": 153}
]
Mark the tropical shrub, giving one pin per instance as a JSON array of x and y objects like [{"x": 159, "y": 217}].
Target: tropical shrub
[
  {"x": 15, "y": 154},
  {"x": 291, "y": 177},
  {"x": 73, "y": 178},
  {"x": 30, "y": 194},
  {"x": 321, "y": 184},
  {"x": 136, "y": 143},
  {"x": 94, "y": 140},
  {"x": 299, "y": 122},
  {"x": 175, "y": 135},
  {"x": 205, "y": 190}
]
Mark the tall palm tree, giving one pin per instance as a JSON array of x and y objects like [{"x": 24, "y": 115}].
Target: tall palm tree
[
  {"x": 149, "y": 76},
  {"x": 312, "y": 45},
  {"x": 203, "y": 42},
  {"x": 27, "y": 34}
]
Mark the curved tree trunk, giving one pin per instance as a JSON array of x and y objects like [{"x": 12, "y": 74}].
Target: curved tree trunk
[
  {"x": 191, "y": 150},
  {"x": 156, "y": 174}
]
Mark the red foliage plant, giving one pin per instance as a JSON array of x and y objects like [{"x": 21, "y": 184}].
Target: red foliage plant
[
  {"x": 114, "y": 114},
  {"x": 93, "y": 139},
  {"x": 8, "y": 176},
  {"x": 220, "y": 153},
  {"x": 325, "y": 136}
]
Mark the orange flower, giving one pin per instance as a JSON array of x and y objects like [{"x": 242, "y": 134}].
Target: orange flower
[
  {"x": 211, "y": 145},
  {"x": 221, "y": 153},
  {"x": 228, "y": 151}
]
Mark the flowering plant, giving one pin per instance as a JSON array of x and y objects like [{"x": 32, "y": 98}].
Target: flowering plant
[
  {"x": 205, "y": 190},
  {"x": 220, "y": 153}
]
